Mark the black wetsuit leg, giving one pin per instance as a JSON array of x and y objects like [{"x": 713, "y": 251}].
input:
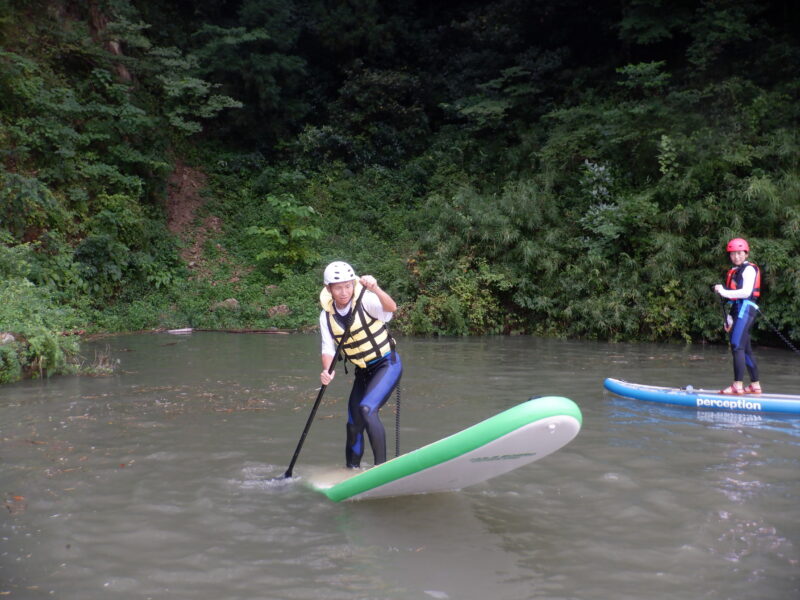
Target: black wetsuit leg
[
  {"x": 740, "y": 344},
  {"x": 372, "y": 388}
]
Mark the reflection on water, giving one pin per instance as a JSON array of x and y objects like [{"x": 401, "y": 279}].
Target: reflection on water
[{"x": 157, "y": 482}]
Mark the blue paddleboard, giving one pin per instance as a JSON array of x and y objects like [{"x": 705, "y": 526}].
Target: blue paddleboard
[{"x": 705, "y": 399}]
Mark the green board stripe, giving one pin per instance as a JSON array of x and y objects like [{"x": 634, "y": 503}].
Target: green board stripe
[{"x": 455, "y": 445}]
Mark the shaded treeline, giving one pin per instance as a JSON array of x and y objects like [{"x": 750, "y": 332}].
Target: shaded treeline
[{"x": 558, "y": 168}]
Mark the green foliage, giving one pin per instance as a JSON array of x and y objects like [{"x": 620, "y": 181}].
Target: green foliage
[
  {"x": 15, "y": 259},
  {"x": 469, "y": 306},
  {"x": 72, "y": 136},
  {"x": 125, "y": 246},
  {"x": 290, "y": 245},
  {"x": 28, "y": 206},
  {"x": 647, "y": 77},
  {"x": 29, "y": 313},
  {"x": 667, "y": 315},
  {"x": 10, "y": 363},
  {"x": 557, "y": 168},
  {"x": 648, "y": 22},
  {"x": 716, "y": 30},
  {"x": 255, "y": 62},
  {"x": 378, "y": 118},
  {"x": 300, "y": 294},
  {"x": 518, "y": 93},
  {"x": 48, "y": 262},
  {"x": 188, "y": 97}
]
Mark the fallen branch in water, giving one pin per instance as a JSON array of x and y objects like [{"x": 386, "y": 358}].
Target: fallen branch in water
[{"x": 273, "y": 331}]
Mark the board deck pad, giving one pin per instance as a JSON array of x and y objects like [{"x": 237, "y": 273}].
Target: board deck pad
[
  {"x": 518, "y": 436},
  {"x": 705, "y": 399}
]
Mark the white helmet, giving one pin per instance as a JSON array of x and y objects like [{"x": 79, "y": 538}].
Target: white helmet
[{"x": 337, "y": 272}]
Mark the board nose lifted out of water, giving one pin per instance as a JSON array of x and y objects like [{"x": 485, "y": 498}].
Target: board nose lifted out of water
[{"x": 509, "y": 440}]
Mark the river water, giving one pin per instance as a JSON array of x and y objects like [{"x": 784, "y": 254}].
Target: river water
[{"x": 155, "y": 482}]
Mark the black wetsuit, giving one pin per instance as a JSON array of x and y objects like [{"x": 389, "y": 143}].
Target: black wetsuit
[{"x": 372, "y": 387}]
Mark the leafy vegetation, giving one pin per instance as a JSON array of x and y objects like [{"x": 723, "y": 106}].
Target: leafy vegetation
[{"x": 550, "y": 168}]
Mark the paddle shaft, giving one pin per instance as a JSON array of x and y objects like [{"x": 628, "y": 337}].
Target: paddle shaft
[
  {"x": 774, "y": 329},
  {"x": 722, "y": 302},
  {"x": 779, "y": 334},
  {"x": 331, "y": 368}
]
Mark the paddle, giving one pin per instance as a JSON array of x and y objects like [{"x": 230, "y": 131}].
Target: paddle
[
  {"x": 722, "y": 302},
  {"x": 331, "y": 368},
  {"x": 777, "y": 332}
]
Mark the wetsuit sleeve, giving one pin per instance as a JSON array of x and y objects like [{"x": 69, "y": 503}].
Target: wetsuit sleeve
[
  {"x": 748, "y": 281},
  {"x": 328, "y": 347}
]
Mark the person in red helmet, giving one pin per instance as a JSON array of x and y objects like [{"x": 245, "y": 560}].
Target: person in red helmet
[
  {"x": 368, "y": 345},
  {"x": 742, "y": 287}
]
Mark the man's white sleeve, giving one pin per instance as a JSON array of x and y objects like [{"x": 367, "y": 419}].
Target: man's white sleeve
[{"x": 328, "y": 347}]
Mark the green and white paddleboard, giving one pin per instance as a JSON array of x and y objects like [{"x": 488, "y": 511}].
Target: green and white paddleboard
[{"x": 518, "y": 436}]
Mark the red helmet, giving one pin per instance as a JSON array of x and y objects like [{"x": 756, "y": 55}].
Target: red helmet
[{"x": 738, "y": 244}]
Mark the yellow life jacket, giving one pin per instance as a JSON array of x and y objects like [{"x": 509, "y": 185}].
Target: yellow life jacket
[{"x": 368, "y": 338}]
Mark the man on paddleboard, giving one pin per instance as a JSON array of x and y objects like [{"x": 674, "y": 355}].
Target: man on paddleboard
[
  {"x": 368, "y": 346},
  {"x": 742, "y": 286}
]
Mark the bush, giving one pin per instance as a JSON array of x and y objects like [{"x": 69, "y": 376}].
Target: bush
[{"x": 38, "y": 324}]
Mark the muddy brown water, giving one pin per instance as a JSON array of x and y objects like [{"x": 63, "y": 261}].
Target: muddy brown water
[{"x": 155, "y": 482}]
